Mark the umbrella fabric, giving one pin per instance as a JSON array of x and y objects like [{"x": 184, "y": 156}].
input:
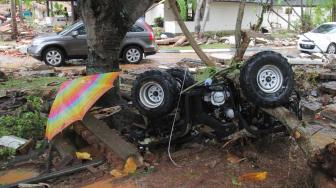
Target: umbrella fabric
[{"x": 75, "y": 98}]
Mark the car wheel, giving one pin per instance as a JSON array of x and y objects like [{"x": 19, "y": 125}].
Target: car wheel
[
  {"x": 267, "y": 79},
  {"x": 54, "y": 57},
  {"x": 154, "y": 93},
  {"x": 132, "y": 55},
  {"x": 331, "y": 49}
]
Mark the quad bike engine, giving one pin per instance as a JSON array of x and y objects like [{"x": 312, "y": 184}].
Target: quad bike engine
[{"x": 218, "y": 98}]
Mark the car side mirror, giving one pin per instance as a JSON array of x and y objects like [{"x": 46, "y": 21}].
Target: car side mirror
[{"x": 74, "y": 33}]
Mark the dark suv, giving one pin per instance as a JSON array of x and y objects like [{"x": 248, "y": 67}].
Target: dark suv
[{"x": 55, "y": 48}]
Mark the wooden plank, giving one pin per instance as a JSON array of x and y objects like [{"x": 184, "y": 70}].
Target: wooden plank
[
  {"x": 66, "y": 150},
  {"x": 111, "y": 138}
]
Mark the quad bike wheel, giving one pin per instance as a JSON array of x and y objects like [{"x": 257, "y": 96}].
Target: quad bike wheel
[
  {"x": 267, "y": 79},
  {"x": 154, "y": 93},
  {"x": 180, "y": 75}
]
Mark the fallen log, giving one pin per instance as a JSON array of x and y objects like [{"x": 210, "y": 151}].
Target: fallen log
[
  {"x": 295, "y": 126},
  {"x": 110, "y": 137},
  {"x": 180, "y": 41},
  {"x": 66, "y": 150},
  {"x": 167, "y": 41}
]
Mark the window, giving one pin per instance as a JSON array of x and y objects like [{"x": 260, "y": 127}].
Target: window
[
  {"x": 325, "y": 28},
  {"x": 81, "y": 31},
  {"x": 187, "y": 9},
  {"x": 136, "y": 28}
]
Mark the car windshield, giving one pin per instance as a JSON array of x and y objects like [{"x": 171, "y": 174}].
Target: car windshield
[
  {"x": 325, "y": 28},
  {"x": 69, "y": 28}
]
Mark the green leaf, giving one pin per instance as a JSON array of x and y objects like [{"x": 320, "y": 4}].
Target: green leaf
[{"x": 235, "y": 181}]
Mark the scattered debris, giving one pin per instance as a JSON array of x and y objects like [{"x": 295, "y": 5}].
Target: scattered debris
[
  {"x": 329, "y": 87},
  {"x": 325, "y": 160},
  {"x": 83, "y": 156},
  {"x": 12, "y": 141},
  {"x": 129, "y": 168},
  {"x": 330, "y": 112},
  {"x": 255, "y": 176}
]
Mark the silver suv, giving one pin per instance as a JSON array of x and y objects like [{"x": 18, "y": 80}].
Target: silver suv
[{"x": 55, "y": 48}]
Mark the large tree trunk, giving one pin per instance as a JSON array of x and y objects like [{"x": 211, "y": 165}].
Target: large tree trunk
[
  {"x": 190, "y": 38},
  {"x": 198, "y": 18},
  {"x": 205, "y": 17},
  {"x": 238, "y": 32},
  {"x": 14, "y": 22},
  {"x": 107, "y": 22}
]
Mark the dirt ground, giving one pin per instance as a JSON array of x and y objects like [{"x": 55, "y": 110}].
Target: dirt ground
[{"x": 208, "y": 165}]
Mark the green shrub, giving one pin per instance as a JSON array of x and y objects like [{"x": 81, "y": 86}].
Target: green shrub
[
  {"x": 28, "y": 123},
  {"x": 157, "y": 31},
  {"x": 6, "y": 152},
  {"x": 158, "y": 22}
]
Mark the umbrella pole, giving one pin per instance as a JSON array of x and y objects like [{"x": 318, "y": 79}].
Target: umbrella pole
[{"x": 49, "y": 158}]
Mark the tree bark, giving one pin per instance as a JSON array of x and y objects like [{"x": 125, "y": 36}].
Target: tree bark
[
  {"x": 198, "y": 18},
  {"x": 238, "y": 32},
  {"x": 190, "y": 38},
  {"x": 205, "y": 17},
  {"x": 243, "y": 39},
  {"x": 14, "y": 22},
  {"x": 295, "y": 126},
  {"x": 107, "y": 22}
]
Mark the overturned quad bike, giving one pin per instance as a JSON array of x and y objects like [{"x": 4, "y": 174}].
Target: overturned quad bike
[{"x": 172, "y": 96}]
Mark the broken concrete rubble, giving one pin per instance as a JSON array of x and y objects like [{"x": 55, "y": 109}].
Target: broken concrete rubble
[
  {"x": 311, "y": 107},
  {"x": 329, "y": 87},
  {"x": 330, "y": 112}
]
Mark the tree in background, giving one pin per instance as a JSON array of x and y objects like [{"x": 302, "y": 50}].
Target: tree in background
[
  {"x": 201, "y": 16},
  {"x": 14, "y": 22},
  {"x": 198, "y": 18},
  {"x": 242, "y": 37}
]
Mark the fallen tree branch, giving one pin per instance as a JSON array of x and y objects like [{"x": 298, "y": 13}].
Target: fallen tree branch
[
  {"x": 295, "y": 126},
  {"x": 188, "y": 35}
]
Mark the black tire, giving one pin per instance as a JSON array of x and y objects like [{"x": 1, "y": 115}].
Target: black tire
[
  {"x": 133, "y": 50},
  {"x": 55, "y": 63},
  {"x": 141, "y": 96},
  {"x": 178, "y": 74},
  {"x": 253, "y": 80},
  {"x": 331, "y": 49}
]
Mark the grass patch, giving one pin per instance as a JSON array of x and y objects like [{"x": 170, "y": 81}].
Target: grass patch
[
  {"x": 31, "y": 83},
  {"x": 284, "y": 34},
  {"x": 203, "y": 46}
]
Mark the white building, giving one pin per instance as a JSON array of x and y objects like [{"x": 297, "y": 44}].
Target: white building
[{"x": 223, "y": 15}]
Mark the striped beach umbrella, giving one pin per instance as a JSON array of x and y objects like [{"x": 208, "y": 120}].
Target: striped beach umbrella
[{"x": 75, "y": 98}]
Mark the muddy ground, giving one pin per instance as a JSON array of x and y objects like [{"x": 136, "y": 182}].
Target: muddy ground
[{"x": 207, "y": 165}]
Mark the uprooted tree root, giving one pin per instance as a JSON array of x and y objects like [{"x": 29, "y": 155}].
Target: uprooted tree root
[{"x": 325, "y": 160}]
